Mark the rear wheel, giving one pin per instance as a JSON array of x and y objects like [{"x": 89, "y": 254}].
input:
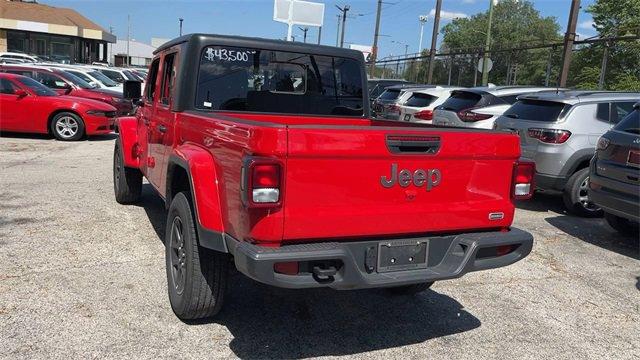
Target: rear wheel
[
  {"x": 127, "y": 182},
  {"x": 196, "y": 277},
  {"x": 410, "y": 289},
  {"x": 622, "y": 225},
  {"x": 576, "y": 197},
  {"x": 67, "y": 126}
]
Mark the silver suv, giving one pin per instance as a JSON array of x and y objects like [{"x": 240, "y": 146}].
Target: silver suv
[
  {"x": 559, "y": 131},
  {"x": 479, "y": 107}
]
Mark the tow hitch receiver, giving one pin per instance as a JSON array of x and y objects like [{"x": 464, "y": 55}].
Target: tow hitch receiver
[{"x": 324, "y": 275}]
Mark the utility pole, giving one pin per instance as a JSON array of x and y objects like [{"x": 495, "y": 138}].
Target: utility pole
[
  {"x": 344, "y": 10},
  {"x": 374, "y": 49},
  {"x": 423, "y": 20},
  {"x": 110, "y": 45},
  {"x": 487, "y": 45},
  {"x": 319, "y": 34},
  {"x": 180, "y": 19},
  {"x": 569, "y": 37},
  {"x": 548, "y": 74},
  {"x": 434, "y": 39},
  {"x": 338, "y": 31},
  {"x": 304, "y": 30},
  {"x": 128, "y": 39}
]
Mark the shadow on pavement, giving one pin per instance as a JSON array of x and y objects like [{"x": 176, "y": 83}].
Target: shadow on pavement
[
  {"x": 269, "y": 322},
  {"x": 544, "y": 202},
  {"x": 597, "y": 232},
  {"x": 106, "y": 137},
  {"x": 153, "y": 205}
]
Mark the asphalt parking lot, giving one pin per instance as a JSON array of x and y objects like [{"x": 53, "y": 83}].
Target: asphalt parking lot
[{"x": 81, "y": 276}]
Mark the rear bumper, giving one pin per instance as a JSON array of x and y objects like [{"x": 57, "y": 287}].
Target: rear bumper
[
  {"x": 614, "y": 197},
  {"x": 550, "y": 182},
  {"x": 449, "y": 256}
]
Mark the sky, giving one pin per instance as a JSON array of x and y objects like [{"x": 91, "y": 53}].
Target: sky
[{"x": 399, "y": 25}]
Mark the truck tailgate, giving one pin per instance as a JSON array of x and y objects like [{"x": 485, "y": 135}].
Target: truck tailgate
[{"x": 339, "y": 181}]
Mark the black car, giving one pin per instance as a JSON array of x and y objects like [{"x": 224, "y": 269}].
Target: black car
[{"x": 614, "y": 179}]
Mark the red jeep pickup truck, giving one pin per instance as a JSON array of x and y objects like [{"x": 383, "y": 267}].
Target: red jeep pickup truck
[{"x": 264, "y": 153}]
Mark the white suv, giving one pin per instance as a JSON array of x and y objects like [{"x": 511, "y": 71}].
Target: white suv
[
  {"x": 479, "y": 107},
  {"x": 419, "y": 104}
]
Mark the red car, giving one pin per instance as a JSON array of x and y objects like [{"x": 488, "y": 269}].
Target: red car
[
  {"x": 28, "y": 106},
  {"x": 65, "y": 83}
]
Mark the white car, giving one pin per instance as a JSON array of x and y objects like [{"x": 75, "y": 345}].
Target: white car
[
  {"x": 418, "y": 105},
  {"x": 479, "y": 107},
  {"x": 95, "y": 77},
  {"x": 14, "y": 56}
]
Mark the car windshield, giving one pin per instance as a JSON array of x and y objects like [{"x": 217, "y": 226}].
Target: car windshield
[
  {"x": 256, "y": 80},
  {"x": 389, "y": 94},
  {"x": 75, "y": 80},
  {"x": 80, "y": 75},
  {"x": 630, "y": 123},
  {"x": 460, "y": 100},
  {"x": 536, "y": 110},
  {"x": 37, "y": 87},
  {"x": 103, "y": 79},
  {"x": 130, "y": 76}
]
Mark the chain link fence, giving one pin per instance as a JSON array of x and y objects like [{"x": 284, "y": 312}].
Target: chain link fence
[{"x": 596, "y": 64}]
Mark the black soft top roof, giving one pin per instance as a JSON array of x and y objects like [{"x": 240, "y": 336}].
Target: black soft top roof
[{"x": 202, "y": 40}]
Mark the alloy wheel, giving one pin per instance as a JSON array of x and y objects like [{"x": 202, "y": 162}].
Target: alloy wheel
[
  {"x": 178, "y": 255},
  {"x": 67, "y": 127}
]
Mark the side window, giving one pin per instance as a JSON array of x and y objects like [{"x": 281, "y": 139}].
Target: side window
[
  {"x": 168, "y": 78},
  {"x": 51, "y": 81},
  {"x": 7, "y": 87},
  {"x": 619, "y": 110},
  {"x": 150, "y": 88},
  {"x": 602, "y": 113}
]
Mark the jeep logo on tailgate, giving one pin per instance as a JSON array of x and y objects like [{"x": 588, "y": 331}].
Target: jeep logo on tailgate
[{"x": 420, "y": 177}]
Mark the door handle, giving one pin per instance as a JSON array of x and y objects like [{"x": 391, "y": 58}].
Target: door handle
[{"x": 162, "y": 128}]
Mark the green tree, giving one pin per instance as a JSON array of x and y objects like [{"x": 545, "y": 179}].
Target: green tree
[
  {"x": 611, "y": 18},
  {"x": 515, "y": 24}
]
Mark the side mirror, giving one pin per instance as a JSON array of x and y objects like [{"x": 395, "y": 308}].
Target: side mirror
[
  {"x": 20, "y": 93},
  {"x": 132, "y": 89}
]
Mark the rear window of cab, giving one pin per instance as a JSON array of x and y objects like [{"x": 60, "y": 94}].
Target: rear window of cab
[{"x": 269, "y": 81}]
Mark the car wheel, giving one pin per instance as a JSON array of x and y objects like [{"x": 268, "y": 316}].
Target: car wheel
[
  {"x": 67, "y": 126},
  {"x": 196, "y": 277},
  {"x": 576, "y": 196},
  {"x": 127, "y": 182},
  {"x": 622, "y": 225},
  {"x": 409, "y": 289}
]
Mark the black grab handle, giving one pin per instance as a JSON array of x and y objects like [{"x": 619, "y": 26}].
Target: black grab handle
[{"x": 400, "y": 144}]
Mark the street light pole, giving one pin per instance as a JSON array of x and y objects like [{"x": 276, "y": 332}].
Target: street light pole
[
  {"x": 423, "y": 20},
  {"x": 180, "y": 19},
  {"x": 487, "y": 44},
  {"x": 374, "y": 49}
]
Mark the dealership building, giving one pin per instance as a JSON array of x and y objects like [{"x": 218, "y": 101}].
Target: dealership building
[{"x": 53, "y": 33}]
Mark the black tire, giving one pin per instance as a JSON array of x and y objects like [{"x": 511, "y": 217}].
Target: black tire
[
  {"x": 127, "y": 182},
  {"x": 622, "y": 225},
  {"x": 576, "y": 197},
  {"x": 196, "y": 277},
  {"x": 409, "y": 289},
  {"x": 67, "y": 126}
]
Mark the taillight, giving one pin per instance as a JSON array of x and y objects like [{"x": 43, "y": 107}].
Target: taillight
[
  {"x": 549, "y": 136},
  {"x": 467, "y": 115},
  {"x": 522, "y": 185},
  {"x": 262, "y": 182},
  {"x": 603, "y": 143},
  {"x": 424, "y": 115}
]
